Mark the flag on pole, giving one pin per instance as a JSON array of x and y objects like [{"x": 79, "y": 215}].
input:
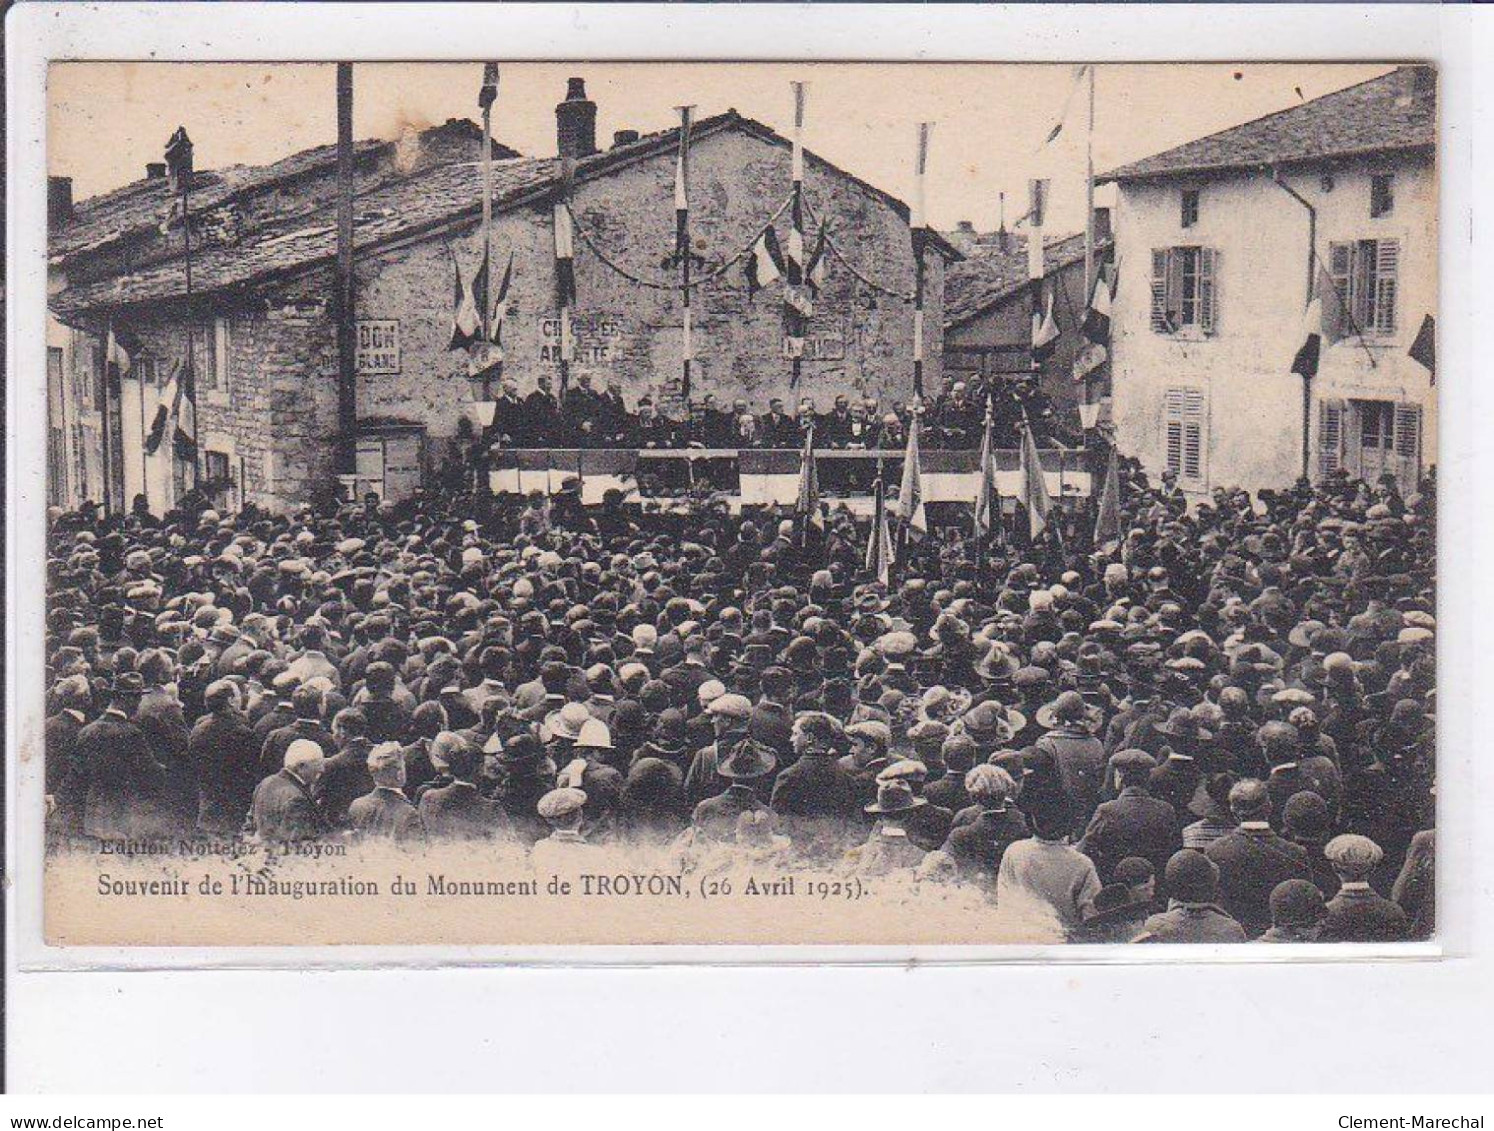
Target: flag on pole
[
  {"x": 164, "y": 409},
  {"x": 1108, "y": 517},
  {"x": 765, "y": 264},
  {"x": 1319, "y": 327},
  {"x": 184, "y": 435},
  {"x": 1044, "y": 331},
  {"x": 565, "y": 257},
  {"x": 1096, "y": 325},
  {"x": 807, "y": 505},
  {"x": 1063, "y": 113},
  {"x": 466, "y": 323},
  {"x": 987, "y": 497},
  {"x": 1034, "y": 488},
  {"x": 910, "y": 495},
  {"x": 488, "y": 93},
  {"x": 879, "y": 542},
  {"x": 119, "y": 350},
  {"x": 814, "y": 269},
  {"x": 500, "y": 298},
  {"x": 1423, "y": 350}
]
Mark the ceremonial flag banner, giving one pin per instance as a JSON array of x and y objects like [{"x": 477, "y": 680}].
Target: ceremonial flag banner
[
  {"x": 119, "y": 350},
  {"x": 1097, "y": 317},
  {"x": 1044, "y": 331},
  {"x": 987, "y": 499},
  {"x": 879, "y": 542},
  {"x": 1319, "y": 327},
  {"x": 910, "y": 495},
  {"x": 565, "y": 257},
  {"x": 1108, "y": 517},
  {"x": 814, "y": 269},
  {"x": 488, "y": 94},
  {"x": 465, "y": 321},
  {"x": 1034, "y": 486},
  {"x": 807, "y": 507},
  {"x": 184, "y": 409},
  {"x": 1424, "y": 349},
  {"x": 765, "y": 264},
  {"x": 164, "y": 408}
]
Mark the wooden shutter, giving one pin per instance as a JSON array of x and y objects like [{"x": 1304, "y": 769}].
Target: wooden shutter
[
  {"x": 1185, "y": 428},
  {"x": 1208, "y": 289},
  {"x": 1341, "y": 267},
  {"x": 1194, "y": 424},
  {"x": 1408, "y": 432},
  {"x": 1159, "y": 291},
  {"x": 1172, "y": 414},
  {"x": 1387, "y": 264},
  {"x": 1330, "y": 437}
]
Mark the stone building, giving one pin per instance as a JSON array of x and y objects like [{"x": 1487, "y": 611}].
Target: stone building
[
  {"x": 1218, "y": 244},
  {"x": 988, "y": 310},
  {"x": 262, "y": 328}
]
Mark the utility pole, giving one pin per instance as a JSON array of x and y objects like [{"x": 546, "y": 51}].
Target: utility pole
[{"x": 345, "y": 310}]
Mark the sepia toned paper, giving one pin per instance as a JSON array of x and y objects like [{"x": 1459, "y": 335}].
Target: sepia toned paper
[{"x": 1256, "y": 306}]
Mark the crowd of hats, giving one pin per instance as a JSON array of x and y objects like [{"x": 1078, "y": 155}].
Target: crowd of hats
[{"x": 594, "y": 656}]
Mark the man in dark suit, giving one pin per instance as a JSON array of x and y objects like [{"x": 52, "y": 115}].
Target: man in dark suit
[
  {"x": 816, "y": 787},
  {"x": 978, "y": 845},
  {"x": 458, "y": 811},
  {"x": 745, "y": 765},
  {"x": 509, "y": 428},
  {"x": 1358, "y": 913},
  {"x": 307, "y": 704},
  {"x": 385, "y": 813},
  {"x": 65, "y": 772},
  {"x": 1253, "y": 859},
  {"x": 283, "y": 811},
  {"x": 541, "y": 419},
  {"x": 225, "y": 761},
  {"x": 1135, "y": 823},
  {"x": 777, "y": 428},
  {"x": 125, "y": 783},
  {"x": 345, "y": 777}
]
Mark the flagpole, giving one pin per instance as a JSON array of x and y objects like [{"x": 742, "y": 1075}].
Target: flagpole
[
  {"x": 796, "y": 238},
  {"x": 682, "y": 247},
  {"x": 918, "y": 232},
  {"x": 144, "y": 467},
  {"x": 185, "y": 177},
  {"x": 1089, "y": 189},
  {"x": 490, "y": 71}
]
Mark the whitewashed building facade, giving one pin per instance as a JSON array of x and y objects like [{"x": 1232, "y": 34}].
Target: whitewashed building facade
[{"x": 1218, "y": 244}]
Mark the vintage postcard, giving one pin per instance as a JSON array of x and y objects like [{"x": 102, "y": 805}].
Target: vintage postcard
[{"x": 549, "y": 504}]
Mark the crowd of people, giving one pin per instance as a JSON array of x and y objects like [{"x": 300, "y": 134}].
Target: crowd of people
[
  {"x": 584, "y": 417},
  {"x": 1218, "y": 730}
]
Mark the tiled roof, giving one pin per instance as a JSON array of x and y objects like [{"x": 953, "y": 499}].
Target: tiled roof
[
  {"x": 988, "y": 275},
  {"x": 146, "y": 205},
  {"x": 394, "y": 209},
  {"x": 1396, "y": 111},
  {"x": 428, "y": 198}
]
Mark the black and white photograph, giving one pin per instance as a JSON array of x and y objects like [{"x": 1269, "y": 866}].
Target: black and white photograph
[{"x": 564, "y": 503}]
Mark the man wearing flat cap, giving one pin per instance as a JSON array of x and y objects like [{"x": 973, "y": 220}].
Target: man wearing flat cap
[{"x": 1358, "y": 913}]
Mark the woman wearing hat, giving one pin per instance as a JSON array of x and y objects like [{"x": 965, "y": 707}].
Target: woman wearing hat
[{"x": 1070, "y": 724}]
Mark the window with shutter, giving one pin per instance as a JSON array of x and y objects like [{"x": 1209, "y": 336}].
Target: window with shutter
[
  {"x": 1408, "y": 432},
  {"x": 1330, "y": 436},
  {"x": 1208, "y": 289},
  {"x": 1159, "y": 291},
  {"x": 1185, "y": 415},
  {"x": 1341, "y": 267},
  {"x": 1173, "y": 415},
  {"x": 1387, "y": 255}
]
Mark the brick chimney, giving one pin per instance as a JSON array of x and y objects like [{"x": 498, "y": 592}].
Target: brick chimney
[
  {"x": 59, "y": 200},
  {"x": 576, "y": 122},
  {"x": 624, "y": 137},
  {"x": 155, "y": 170}
]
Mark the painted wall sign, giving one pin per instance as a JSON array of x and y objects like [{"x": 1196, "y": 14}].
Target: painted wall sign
[
  {"x": 595, "y": 343},
  {"x": 378, "y": 346}
]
